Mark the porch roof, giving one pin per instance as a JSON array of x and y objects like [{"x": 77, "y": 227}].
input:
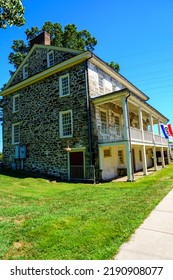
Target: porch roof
[{"x": 136, "y": 100}]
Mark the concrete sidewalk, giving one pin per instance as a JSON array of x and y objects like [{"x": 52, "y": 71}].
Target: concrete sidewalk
[{"x": 153, "y": 240}]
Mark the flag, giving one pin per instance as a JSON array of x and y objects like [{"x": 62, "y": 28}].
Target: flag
[
  {"x": 167, "y": 130},
  {"x": 164, "y": 131},
  {"x": 170, "y": 130}
]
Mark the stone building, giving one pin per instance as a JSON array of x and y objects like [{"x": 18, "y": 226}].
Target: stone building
[{"x": 67, "y": 113}]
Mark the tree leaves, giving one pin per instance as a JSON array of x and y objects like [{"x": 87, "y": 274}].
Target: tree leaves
[
  {"x": 70, "y": 37},
  {"x": 11, "y": 13}
]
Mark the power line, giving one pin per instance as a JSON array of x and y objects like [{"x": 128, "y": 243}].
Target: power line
[
  {"x": 147, "y": 63},
  {"x": 151, "y": 51}
]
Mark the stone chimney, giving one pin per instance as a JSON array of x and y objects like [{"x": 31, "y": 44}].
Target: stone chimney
[{"x": 42, "y": 39}]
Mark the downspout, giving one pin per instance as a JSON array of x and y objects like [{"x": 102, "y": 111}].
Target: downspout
[
  {"x": 88, "y": 109},
  {"x": 130, "y": 146}
]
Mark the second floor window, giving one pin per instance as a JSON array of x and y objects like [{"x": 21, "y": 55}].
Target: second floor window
[
  {"x": 50, "y": 59},
  {"x": 64, "y": 85},
  {"x": 15, "y": 133},
  {"x": 117, "y": 125},
  {"x": 15, "y": 103},
  {"x": 103, "y": 118},
  {"x": 66, "y": 124},
  {"x": 25, "y": 71}
]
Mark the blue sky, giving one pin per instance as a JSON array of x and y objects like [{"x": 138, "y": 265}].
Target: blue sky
[{"x": 138, "y": 34}]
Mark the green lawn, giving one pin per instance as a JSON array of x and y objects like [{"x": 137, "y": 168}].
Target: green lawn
[{"x": 40, "y": 219}]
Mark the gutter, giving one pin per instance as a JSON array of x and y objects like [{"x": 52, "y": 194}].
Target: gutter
[{"x": 88, "y": 109}]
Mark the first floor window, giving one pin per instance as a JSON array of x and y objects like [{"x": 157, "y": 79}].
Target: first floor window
[
  {"x": 15, "y": 133},
  {"x": 140, "y": 155},
  {"x": 120, "y": 157},
  {"x": 107, "y": 153},
  {"x": 66, "y": 126}
]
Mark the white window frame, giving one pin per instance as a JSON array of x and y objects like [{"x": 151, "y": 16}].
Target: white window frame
[
  {"x": 61, "y": 124},
  {"x": 13, "y": 138},
  {"x": 14, "y": 103},
  {"x": 117, "y": 127},
  {"x": 25, "y": 71},
  {"x": 104, "y": 130},
  {"x": 49, "y": 63},
  {"x": 61, "y": 85}
]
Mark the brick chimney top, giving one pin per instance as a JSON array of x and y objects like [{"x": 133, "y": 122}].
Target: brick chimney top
[{"x": 42, "y": 39}]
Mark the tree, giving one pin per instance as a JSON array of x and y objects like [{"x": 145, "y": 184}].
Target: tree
[
  {"x": 11, "y": 13},
  {"x": 68, "y": 37},
  {"x": 115, "y": 66}
]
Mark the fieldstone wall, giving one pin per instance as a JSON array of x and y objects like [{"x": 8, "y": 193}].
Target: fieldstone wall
[
  {"x": 37, "y": 62},
  {"x": 38, "y": 115},
  {"x": 101, "y": 83}
]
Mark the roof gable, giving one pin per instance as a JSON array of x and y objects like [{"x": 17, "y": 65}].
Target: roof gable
[{"x": 36, "y": 60}]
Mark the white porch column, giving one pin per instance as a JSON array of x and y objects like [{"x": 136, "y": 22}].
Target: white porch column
[
  {"x": 128, "y": 163},
  {"x": 128, "y": 143},
  {"x": 125, "y": 117},
  {"x": 168, "y": 153},
  {"x": 144, "y": 160},
  {"x": 155, "y": 158},
  {"x": 162, "y": 156},
  {"x": 141, "y": 123},
  {"x": 152, "y": 127}
]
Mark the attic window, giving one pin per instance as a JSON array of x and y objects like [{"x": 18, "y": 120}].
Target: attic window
[
  {"x": 50, "y": 59},
  {"x": 25, "y": 71}
]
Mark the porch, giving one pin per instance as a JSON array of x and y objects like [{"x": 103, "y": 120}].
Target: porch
[
  {"x": 117, "y": 160},
  {"x": 121, "y": 117},
  {"x": 137, "y": 175}
]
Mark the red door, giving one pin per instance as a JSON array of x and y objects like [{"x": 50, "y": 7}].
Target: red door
[{"x": 76, "y": 165}]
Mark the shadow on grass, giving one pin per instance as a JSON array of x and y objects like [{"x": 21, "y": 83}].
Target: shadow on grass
[{"x": 22, "y": 174}]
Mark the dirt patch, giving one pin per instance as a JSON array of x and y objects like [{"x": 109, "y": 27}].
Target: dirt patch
[
  {"x": 19, "y": 221},
  {"x": 4, "y": 219},
  {"x": 18, "y": 250}
]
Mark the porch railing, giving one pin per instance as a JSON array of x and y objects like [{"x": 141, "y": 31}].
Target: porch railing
[
  {"x": 115, "y": 135},
  {"x": 136, "y": 135}
]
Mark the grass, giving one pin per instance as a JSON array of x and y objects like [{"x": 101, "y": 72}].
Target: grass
[{"x": 40, "y": 219}]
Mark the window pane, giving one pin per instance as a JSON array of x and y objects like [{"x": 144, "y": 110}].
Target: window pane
[
  {"x": 16, "y": 103},
  {"x": 16, "y": 133},
  {"x": 25, "y": 71},
  {"x": 51, "y": 59},
  {"x": 64, "y": 86},
  {"x": 103, "y": 121}
]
